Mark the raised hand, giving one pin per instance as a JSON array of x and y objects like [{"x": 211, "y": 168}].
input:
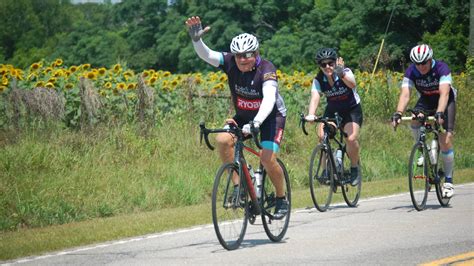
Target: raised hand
[
  {"x": 195, "y": 29},
  {"x": 339, "y": 69}
]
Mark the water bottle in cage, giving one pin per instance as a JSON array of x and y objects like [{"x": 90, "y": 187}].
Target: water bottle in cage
[
  {"x": 338, "y": 160},
  {"x": 252, "y": 174},
  {"x": 434, "y": 151},
  {"x": 258, "y": 182}
]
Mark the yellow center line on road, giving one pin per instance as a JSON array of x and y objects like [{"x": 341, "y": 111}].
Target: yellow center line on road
[{"x": 458, "y": 260}]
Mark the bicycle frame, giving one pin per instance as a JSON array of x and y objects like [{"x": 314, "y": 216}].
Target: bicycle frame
[
  {"x": 239, "y": 158},
  {"x": 339, "y": 140},
  {"x": 425, "y": 129}
]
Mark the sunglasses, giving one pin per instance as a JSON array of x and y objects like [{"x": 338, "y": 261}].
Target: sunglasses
[
  {"x": 422, "y": 63},
  {"x": 245, "y": 55},
  {"x": 326, "y": 64}
]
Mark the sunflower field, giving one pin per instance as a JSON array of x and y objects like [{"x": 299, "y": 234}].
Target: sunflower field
[{"x": 115, "y": 91}]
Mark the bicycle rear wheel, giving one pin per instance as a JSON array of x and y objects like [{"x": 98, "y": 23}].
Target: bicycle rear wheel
[
  {"x": 275, "y": 229},
  {"x": 350, "y": 193},
  {"x": 229, "y": 214},
  {"x": 321, "y": 178},
  {"x": 418, "y": 180}
]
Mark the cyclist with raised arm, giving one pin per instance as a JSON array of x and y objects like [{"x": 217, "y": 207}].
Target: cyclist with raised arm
[
  {"x": 338, "y": 84},
  {"x": 432, "y": 80},
  {"x": 254, "y": 89}
]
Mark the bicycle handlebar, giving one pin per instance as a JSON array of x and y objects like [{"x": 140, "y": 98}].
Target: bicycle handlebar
[
  {"x": 204, "y": 132},
  {"x": 324, "y": 120},
  {"x": 422, "y": 119}
]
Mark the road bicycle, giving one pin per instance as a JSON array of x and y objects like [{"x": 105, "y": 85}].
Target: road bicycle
[
  {"x": 233, "y": 207},
  {"x": 330, "y": 169},
  {"x": 424, "y": 168}
]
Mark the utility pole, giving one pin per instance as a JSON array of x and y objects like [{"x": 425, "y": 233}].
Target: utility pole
[{"x": 471, "y": 29}]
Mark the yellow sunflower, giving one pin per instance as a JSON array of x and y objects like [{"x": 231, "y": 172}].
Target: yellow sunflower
[
  {"x": 35, "y": 66},
  {"x": 117, "y": 68},
  {"x": 91, "y": 75},
  {"x": 121, "y": 86},
  {"x": 73, "y": 69},
  {"x": 131, "y": 86},
  {"x": 108, "y": 85},
  {"x": 102, "y": 71},
  {"x": 39, "y": 84},
  {"x": 58, "y": 62},
  {"x": 49, "y": 85},
  {"x": 152, "y": 80}
]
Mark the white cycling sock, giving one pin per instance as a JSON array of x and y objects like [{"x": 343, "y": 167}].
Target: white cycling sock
[{"x": 448, "y": 163}]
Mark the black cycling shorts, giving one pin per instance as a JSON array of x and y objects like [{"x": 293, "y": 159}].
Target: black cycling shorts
[
  {"x": 353, "y": 115},
  {"x": 449, "y": 113},
  {"x": 271, "y": 131}
]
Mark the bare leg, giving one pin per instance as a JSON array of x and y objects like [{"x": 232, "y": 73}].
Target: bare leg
[
  {"x": 352, "y": 130},
  {"x": 269, "y": 161},
  {"x": 225, "y": 145}
]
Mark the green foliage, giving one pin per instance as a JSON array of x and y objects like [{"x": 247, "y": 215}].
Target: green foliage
[{"x": 151, "y": 34}]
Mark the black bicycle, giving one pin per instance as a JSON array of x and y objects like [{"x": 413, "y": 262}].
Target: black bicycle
[
  {"x": 424, "y": 168},
  {"x": 328, "y": 168},
  {"x": 235, "y": 199}
]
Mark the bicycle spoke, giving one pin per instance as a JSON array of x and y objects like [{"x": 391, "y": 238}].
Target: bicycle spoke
[
  {"x": 228, "y": 212},
  {"x": 321, "y": 178},
  {"x": 275, "y": 229},
  {"x": 350, "y": 193},
  {"x": 418, "y": 176}
]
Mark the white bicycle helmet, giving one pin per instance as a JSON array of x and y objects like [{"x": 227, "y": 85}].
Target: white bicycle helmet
[
  {"x": 244, "y": 43},
  {"x": 421, "y": 53}
]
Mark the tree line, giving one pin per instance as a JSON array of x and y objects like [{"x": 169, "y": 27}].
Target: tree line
[{"x": 147, "y": 34}]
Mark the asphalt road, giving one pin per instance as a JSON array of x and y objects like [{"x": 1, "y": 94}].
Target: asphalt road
[{"x": 380, "y": 231}]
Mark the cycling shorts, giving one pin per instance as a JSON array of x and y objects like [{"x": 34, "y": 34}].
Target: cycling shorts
[
  {"x": 353, "y": 115},
  {"x": 449, "y": 113},
  {"x": 271, "y": 131}
]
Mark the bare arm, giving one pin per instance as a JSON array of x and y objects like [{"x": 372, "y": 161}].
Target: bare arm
[
  {"x": 314, "y": 102},
  {"x": 403, "y": 100},
  {"x": 443, "y": 97}
]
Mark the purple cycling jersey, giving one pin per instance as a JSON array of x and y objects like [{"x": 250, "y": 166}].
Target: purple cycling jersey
[
  {"x": 246, "y": 87},
  {"x": 427, "y": 85}
]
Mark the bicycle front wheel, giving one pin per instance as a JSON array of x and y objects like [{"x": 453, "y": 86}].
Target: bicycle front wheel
[
  {"x": 418, "y": 180},
  {"x": 321, "y": 178},
  {"x": 350, "y": 193},
  {"x": 229, "y": 214},
  {"x": 275, "y": 229}
]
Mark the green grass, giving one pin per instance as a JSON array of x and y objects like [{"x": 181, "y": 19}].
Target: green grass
[
  {"x": 58, "y": 176},
  {"x": 25, "y": 242}
]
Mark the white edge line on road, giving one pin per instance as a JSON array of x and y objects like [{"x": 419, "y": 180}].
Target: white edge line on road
[{"x": 180, "y": 231}]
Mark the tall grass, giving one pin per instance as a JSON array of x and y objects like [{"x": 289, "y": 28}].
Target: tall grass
[{"x": 50, "y": 174}]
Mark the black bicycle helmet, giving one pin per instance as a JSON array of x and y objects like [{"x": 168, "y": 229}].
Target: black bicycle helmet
[{"x": 326, "y": 53}]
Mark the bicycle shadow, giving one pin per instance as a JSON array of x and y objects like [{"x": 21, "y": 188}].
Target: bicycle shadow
[
  {"x": 410, "y": 207},
  {"x": 248, "y": 243}
]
